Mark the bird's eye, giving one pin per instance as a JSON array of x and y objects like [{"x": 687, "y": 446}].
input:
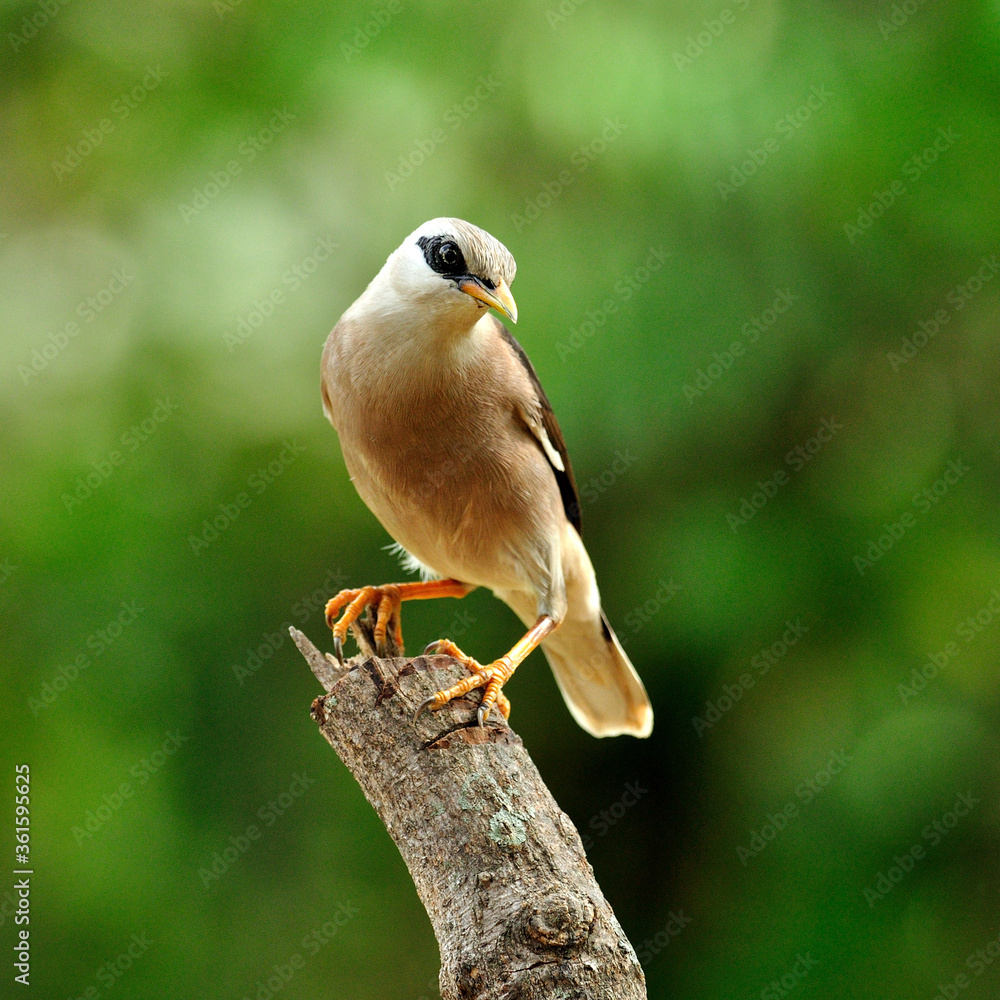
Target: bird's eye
[
  {"x": 443, "y": 255},
  {"x": 450, "y": 255}
]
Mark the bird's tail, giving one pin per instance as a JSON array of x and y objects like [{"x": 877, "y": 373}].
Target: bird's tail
[{"x": 597, "y": 679}]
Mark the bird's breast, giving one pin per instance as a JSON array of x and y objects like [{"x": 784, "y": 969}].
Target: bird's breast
[
  {"x": 455, "y": 487},
  {"x": 440, "y": 456}
]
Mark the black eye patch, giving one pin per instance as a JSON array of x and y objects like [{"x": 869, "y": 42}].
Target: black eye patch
[{"x": 443, "y": 256}]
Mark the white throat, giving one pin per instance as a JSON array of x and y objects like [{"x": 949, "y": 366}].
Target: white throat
[{"x": 416, "y": 331}]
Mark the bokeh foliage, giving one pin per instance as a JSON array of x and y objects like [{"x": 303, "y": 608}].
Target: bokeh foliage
[{"x": 727, "y": 146}]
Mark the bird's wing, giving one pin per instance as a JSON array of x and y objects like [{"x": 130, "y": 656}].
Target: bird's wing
[{"x": 545, "y": 428}]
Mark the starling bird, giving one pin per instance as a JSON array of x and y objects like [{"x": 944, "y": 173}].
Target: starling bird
[{"x": 451, "y": 441}]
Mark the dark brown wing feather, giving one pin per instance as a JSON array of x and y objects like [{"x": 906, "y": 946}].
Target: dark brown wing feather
[{"x": 565, "y": 480}]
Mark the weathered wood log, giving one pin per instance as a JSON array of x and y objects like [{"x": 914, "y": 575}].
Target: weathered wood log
[{"x": 497, "y": 864}]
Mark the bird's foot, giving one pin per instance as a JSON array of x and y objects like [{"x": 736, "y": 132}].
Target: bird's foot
[
  {"x": 387, "y": 600},
  {"x": 491, "y": 676}
]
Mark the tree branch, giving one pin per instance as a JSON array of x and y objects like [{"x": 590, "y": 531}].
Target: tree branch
[{"x": 497, "y": 864}]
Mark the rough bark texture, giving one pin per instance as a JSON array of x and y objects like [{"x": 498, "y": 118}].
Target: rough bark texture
[{"x": 498, "y": 865}]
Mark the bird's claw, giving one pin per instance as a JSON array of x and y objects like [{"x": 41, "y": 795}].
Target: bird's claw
[
  {"x": 386, "y": 601},
  {"x": 490, "y": 677},
  {"x": 423, "y": 706}
]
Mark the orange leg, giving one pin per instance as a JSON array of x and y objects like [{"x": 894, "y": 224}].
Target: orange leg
[
  {"x": 492, "y": 676},
  {"x": 387, "y": 600},
  {"x": 445, "y": 647}
]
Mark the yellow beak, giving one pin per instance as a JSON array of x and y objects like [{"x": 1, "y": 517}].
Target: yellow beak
[{"x": 498, "y": 298}]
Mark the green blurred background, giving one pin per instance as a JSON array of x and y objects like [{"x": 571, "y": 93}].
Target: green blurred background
[{"x": 667, "y": 173}]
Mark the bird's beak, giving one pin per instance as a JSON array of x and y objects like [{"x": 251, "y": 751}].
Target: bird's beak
[{"x": 498, "y": 298}]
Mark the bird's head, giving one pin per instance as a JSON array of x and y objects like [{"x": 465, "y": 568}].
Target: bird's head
[{"x": 453, "y": 266}]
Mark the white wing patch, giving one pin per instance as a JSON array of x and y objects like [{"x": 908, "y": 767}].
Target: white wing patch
[{"x": 538, "y": 429}]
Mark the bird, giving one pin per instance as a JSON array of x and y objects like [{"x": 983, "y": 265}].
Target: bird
[{"x": 450, "y": 440}]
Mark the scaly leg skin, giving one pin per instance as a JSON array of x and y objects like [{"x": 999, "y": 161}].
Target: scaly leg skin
[
  {"x": 387, "y": 601},
  {"x": 492, "y": 676}
]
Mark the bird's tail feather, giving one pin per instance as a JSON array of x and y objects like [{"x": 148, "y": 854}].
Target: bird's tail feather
[{"x": 597, "y": 679}]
